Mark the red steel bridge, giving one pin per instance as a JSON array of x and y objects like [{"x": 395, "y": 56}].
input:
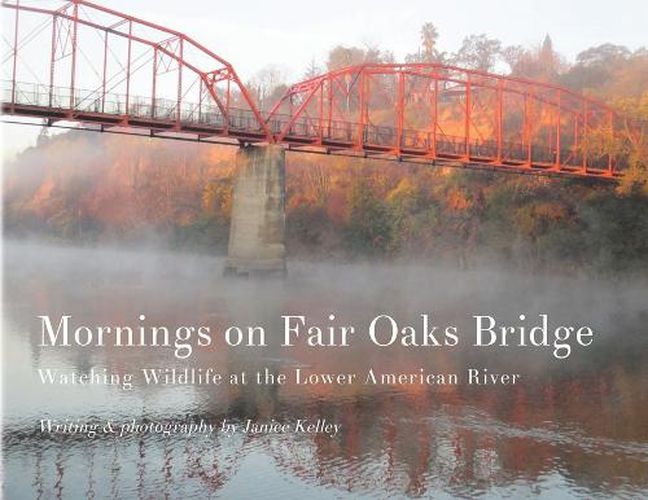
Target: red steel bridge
[{"x": 80, "y": 64}]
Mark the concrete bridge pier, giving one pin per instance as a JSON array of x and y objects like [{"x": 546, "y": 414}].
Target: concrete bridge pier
[{"x": 257, "y": 232}]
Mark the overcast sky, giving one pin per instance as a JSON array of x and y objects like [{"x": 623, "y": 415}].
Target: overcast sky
[{"x": 252, "y": 34}]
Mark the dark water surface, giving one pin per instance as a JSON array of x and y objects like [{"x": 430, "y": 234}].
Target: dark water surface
[{"x": 575, "y": 428}]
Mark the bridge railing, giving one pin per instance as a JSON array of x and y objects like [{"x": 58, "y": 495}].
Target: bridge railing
[
  {"x": 135, "y": 107},
  {"x": 380, "y": 137}
]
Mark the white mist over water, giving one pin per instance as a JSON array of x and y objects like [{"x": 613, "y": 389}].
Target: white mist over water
[{"x": 588, "y": 408}]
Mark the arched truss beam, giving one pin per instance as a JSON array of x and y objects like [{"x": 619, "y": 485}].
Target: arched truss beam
[
  {"x": 136, "y": 74},
  {"x": 445, "y": 113}
]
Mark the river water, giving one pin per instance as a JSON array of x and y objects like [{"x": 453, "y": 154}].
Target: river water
[{"x": 571, "y": 428}]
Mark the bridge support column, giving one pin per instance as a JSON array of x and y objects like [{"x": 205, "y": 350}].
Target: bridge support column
[{"x": 257, "y": 232}]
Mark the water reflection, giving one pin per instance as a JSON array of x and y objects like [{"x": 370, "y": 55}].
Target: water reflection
[{"x": 573, "y": 428}]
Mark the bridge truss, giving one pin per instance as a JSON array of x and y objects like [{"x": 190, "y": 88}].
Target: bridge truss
[{"x": 81, "y": 63}]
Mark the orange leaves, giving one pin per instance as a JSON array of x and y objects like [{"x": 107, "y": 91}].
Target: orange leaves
[
  {"x": 458, "y": 200},
  {"x": 551, "y": 210},
  {"x": 217, "y": 197},
  {"x": 122, "y": 183},
  {"x": 43, "y": 194}
]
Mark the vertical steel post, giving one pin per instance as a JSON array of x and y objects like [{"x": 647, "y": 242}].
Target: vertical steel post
[
  {"x": 361, "y": 106},
  {"x": 468, "y": 117},
  {"x": 558, "y": 131},
  {"x": 179, "y": 100},
  {"x": 15, "y": 55},
  {"x": 400, "y": 111},
  {"x": 527, "y": 129},
  {"x": 154, "y": 83},
  {"x": 435, "y": 118},
  {"x": 75, "y": 17},
  {"x": 105, "y": 72},
  {"x": 585, "y": 138},
  {"x": 128, "y": 65},
  {"x": 330, "y": 105},
  {"x": 53, "y": 60},
  {"x": 320, "y": 134},
  {"x": 576, "y": 132},
  {"x": 291, "y": 110},
  {"x": 500, "y": 120},
  {"x": 610, "y": 156},
  {"x": 200, "y": 99},
  {"x": 227, "y": 105}
]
